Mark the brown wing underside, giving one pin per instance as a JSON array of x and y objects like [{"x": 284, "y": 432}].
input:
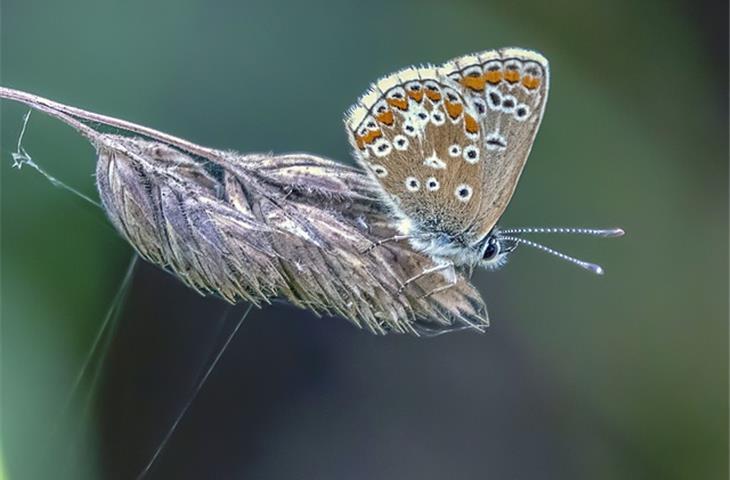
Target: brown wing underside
[
  {"x": 511, "y": 87},
  {"x": 447, "y": 145}
]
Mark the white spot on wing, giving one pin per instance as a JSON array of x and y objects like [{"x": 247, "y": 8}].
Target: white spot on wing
[
  {"x": 508, "y": 104},
  {"x": 410, "y": 129},
  {"x": 434, "y": 162},
  {"x": 437, "y": 117},
  {"x": 522, "y": 112},
  {"x": 471, "y": 154},
  {"x": 494, "y": 98},
  {"x": 412, "y": 184},
  {"x": 432, "y": 184},
  {"x": 463, "y": 192},
  {"x": 397, "y": 93},
  {"x": 381, "y": 147},
  {"x": 480, "y": 106},
  {"x": 414, "y": 86},
  {"x": 495, "y": 142},
  {"x": 420, "y": 116},
  {"x": 400, "y": 142}
]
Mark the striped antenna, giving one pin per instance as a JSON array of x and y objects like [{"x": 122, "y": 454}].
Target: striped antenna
[
  {"x": 594, "y": 232},
  {"x": 597, "y": 269}
]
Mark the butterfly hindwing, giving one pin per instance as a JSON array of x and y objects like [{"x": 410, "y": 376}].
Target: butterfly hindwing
[{"x": 421, "y": 140}]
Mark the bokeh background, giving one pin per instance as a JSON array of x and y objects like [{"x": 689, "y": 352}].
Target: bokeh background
[{"x": 617, "y": 377}]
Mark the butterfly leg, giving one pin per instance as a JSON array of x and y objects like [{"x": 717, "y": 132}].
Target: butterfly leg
[
  {"x": 428, "y": 271},
  {"x": 452, "y": 281},
  {"x": 394, "y": 238}
]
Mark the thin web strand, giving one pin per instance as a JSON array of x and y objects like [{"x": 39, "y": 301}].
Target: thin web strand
[
  {"x": 98, "y": 350},
  {"x": 194, "y": 394},
  {"x": 22, "y": 157},
  {"x": 106, "y": 327}
]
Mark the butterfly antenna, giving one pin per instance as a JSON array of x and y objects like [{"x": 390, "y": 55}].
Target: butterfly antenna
[
  {"x": 594, "y": 232},
  {"x": 597, "y": 269}
]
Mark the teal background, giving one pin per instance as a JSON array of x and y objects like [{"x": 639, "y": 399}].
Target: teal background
[{"x": 622, "y": 376}]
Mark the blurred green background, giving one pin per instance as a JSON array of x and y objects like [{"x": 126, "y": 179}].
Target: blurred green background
[{"x": 623, "y": 376}]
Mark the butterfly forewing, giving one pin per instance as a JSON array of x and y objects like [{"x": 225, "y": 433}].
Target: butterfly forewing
[{"x": 509, "y": 89}]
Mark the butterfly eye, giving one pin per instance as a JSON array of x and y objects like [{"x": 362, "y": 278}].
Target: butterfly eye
[{"x": 492, "y": 250}]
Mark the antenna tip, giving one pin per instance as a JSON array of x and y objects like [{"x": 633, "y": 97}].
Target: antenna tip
[
  {"x": 616, "y": 232},
  {"x": 597, "y": 269}
]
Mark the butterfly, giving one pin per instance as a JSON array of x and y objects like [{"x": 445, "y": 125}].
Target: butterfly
[{"x": 446, "y": 146}]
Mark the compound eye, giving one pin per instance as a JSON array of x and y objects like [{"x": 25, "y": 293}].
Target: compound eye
[{"x": 492, "y": 250}]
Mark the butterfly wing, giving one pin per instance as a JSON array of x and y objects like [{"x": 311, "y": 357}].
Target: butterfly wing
[
  {"x": 447, "y": 145},
  {"x": 509, "y": 89},
  {"x": 421, "y": 141}
]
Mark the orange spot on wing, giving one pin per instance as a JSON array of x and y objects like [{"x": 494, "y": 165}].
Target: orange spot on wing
[
  {"x": 512, "y": 76},
  {"x": 359, "y": 142},
  {"x": 530, "y": 82},
  {"x": 416, "y": 95},
  {"x": 433, "y": 95},
  {"x": 453, "y": 109},
  {"x": 470, "y": 124},
  {"x": 386, "y": 117},
  {"x": 493, "y": 76},
  {"x": 475, "y": 83},
  {"x": 399, "y": 103},
  {"x": 368, "y": 138}
]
